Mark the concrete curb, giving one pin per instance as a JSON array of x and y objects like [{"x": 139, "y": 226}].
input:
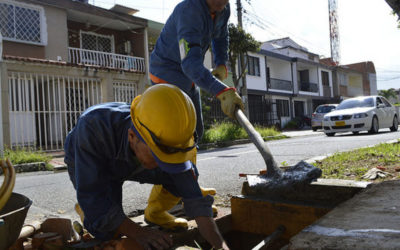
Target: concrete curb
[{"x": 28, "y": 167}]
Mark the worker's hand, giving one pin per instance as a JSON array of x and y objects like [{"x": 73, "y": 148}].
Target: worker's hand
[
  {"x": 220, "y": 72},
  {"x": 230, "y": 100},
  {"x": 150, "y": 238}
]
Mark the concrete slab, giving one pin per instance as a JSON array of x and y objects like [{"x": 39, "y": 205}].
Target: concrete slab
[{"x": 370, "y": 220}]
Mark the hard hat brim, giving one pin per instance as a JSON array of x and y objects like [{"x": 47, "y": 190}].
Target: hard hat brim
[
  {"x": 173, "y": 168},
  {"x": 170, "y": 163}
]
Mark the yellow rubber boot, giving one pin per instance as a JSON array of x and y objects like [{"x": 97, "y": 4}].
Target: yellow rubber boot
[
  {"x": 156, "y": 212},
  {"x": 79, "y": 211},
  {"x": 208, "y": 191}
]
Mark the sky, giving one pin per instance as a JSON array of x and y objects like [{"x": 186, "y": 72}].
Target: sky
[{"x": 367, "y": 29}]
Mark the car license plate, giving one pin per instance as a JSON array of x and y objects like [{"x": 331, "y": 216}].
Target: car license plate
[{"x": 340, "y": 123}]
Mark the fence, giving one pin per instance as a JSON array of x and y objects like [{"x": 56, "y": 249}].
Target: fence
[
  {"x": 261, "y": 111},
  {"x": 44, "y": 108},
  {"x": 105, "y": 59}
]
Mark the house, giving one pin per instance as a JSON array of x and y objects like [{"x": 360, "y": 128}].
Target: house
[
  {"x": 61, "y": 56},
  {"x": 289, "y": 79},
  {"x": 285, "y": 80},
  {"x": 353, "y": 79}
]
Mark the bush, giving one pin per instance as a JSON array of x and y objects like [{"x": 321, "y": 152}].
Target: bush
[
  {"x": 20, "y": 156},
  {"x": 292, "y": 124},
  {"x": 227, "y": 131}
]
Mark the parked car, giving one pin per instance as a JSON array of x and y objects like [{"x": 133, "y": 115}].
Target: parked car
[
  {"x": 318, "y": 115},
  {"x": 365, "y": 113}
]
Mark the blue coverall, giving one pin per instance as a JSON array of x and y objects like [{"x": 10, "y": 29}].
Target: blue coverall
[
  {"x": 99, "y": 160},
  {"x": 179, "y": 52}
]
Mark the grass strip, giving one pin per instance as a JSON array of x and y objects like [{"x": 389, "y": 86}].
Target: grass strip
[
  {"x": 354, "y": 164},
  {"x": 222, "y": 132}
]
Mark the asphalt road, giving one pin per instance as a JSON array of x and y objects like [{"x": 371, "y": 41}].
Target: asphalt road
[{"x": 53, "y": 195}]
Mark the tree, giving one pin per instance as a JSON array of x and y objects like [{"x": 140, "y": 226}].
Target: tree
[
  {"x": 240, "y": 41},
  {"x": 388, "y": 93},
  {"x": 395, "y": 5}
]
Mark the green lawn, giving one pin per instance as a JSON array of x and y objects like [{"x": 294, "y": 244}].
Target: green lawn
[
  {"x": 354, "y": 164},
  {"x": 223, "y": 132}
]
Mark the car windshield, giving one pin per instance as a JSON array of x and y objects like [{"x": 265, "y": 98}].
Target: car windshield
[
  {"x": 356, "y": 103},
  {"x": 324, "y": 109}
]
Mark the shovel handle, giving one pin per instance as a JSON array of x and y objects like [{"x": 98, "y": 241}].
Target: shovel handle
[{"x": 256, "y": 138}]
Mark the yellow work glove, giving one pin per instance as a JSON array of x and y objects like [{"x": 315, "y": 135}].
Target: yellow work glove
[
  {"x": 220, "y": 72},
  {"x": 230, "y": 100}
]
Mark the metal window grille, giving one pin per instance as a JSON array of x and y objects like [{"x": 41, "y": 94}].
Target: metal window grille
[
  {"x": 20, "y": 23},
  {"x": 125, "y": 91},
  {"x": 44, "y": 108},
  {"x": 96, "y": 42},
  {"x": 253, "y": 65},
  {"x": 282, "y": 107}
]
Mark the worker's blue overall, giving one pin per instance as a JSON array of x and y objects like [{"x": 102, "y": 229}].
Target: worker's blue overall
[
  {"x": 179, "y": 52},
  {"x": 99, "y": 160}
]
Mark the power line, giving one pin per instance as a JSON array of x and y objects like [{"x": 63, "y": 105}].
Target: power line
[{"x": 269, "y": 26}]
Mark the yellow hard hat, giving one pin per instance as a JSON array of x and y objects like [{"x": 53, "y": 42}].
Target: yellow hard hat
[{"x": 164, "y": 117}]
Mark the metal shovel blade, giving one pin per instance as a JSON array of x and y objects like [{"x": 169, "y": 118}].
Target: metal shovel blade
[
  {"x": 300, "y": 174},
  {"x": 296, "y": 176}
]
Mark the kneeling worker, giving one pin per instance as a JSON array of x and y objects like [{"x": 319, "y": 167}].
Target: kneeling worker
[{"x": 150, "y": 141}]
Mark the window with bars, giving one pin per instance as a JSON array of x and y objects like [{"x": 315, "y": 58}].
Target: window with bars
[
  {"x": 282, "y": 107},
  {"x": 253, "y": 66},
  {"x": 96, "y": 42},
  {"x": 22, "y": 22}
]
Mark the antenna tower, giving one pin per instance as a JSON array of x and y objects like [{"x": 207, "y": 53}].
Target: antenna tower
[{"x": 334, "y": 31}]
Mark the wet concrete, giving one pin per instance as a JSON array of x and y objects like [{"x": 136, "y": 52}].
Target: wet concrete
[
  {"x": 370, "y": 220},
  {"x": 294, "y": 177}
]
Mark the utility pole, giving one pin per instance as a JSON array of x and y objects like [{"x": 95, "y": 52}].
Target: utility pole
[
  {"x": 243, "y": 86},
  {"x": 334, "y": 31},
  {"x": 1, "y": 106}
]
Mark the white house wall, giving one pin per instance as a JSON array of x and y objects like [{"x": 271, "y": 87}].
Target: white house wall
[
  {"x": 279, "y": 69},
  {"x": 257, "y": 82},
  {"x": 57, "y": 46}
]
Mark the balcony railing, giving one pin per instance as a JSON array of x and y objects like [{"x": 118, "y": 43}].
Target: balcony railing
[
  {"x": 280, "y": 84},
  {"x": 309, "y": 87},
  {"x": 105, "y": 59}
]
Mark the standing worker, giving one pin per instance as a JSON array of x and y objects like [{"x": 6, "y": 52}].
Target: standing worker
[
  {"x": 149, "y": 141},
  {"x": 178, "y": 59}
]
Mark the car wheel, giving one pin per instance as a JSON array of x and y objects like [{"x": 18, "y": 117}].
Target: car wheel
[
  {"x": 314, "y": 129},
  {"x": 330, "y": 134},
  {"x": 356, "y": 132},
  {"x": 395, "y": 125},
  {"x": 374, "y": 126}
]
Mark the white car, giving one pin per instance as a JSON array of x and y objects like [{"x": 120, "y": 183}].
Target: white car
[
  {"x": 364, "y": 113},
  {"x": 318, "y": 116}
]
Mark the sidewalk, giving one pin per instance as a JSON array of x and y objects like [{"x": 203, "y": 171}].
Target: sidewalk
[{"x": 297, "y": 133}]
